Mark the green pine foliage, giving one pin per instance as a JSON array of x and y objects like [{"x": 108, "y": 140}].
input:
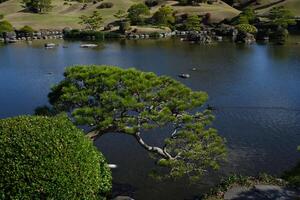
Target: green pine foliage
[
  {"x": 281, "y": 17},
  {"x": 193, "y": 23},
  {"x": 114, "y": 100}
]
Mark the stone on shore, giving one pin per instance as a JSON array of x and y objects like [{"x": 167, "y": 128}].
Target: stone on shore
[
  {"x": 262, "y": 192},
  {"x": 122, "y": 198}
]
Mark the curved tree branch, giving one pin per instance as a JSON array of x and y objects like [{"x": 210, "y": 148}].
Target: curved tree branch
[{"x": 159, "y": 151}]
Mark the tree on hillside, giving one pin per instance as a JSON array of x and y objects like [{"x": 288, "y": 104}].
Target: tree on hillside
[
  {"x": 135, "y": 13},
  {"x": 131, "y": 102},
  {"x": 282, "y": 17},
  {"x": 37, "y": 6},
  {"x": 123, "y": 23},
  {"x": 92, "y": 22},
  {"x": 121, "y": 15},
  {"x": 193, "y": 23},
  {"x": 49, "y": 158},
  {"x": 164, "y": 16},
  {"x": 248, "y": 16},
  {"x": 5, "y": 26},
  {"x": 1, "y": 16}
]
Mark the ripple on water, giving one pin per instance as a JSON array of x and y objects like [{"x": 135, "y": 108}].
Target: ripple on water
[{"x": 260, "y": 137}]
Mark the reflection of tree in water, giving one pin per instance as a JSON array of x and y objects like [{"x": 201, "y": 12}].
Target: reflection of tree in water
[{"x": 282, "y": 52}]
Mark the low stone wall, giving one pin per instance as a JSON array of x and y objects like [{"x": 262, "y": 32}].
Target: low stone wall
[
  {"x": 151, "y": 35},
  {"x": 42, "y": 34}
]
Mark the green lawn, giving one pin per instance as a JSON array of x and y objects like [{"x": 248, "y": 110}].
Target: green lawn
[
  {"x": 61, "y": 15},
  {"x": 292, "y": 5},
  {"x": 68, "y": 15}
]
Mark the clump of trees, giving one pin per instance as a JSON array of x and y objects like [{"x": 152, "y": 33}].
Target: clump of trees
[
  {"x": 92, "y": 22},
  {"x": 137, "y": 12},
  {"x": 113, "y": 100},
  {"x": 164, "y": 16},
  {"x": 248, "y": 16},
  {"x": 37, "y": 6},
  {"x": 49, "y": 158},
  {"x": 5, "y": 27},
  {"x": 281, "y": 17}
]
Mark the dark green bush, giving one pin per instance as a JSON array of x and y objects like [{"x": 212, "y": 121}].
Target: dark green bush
[
  {"x": 124, "y": 26},
  {"x": 247, "y": 28},
  {"x": 27, "y": 30},
  {"x": 49, "y": 158},
  {"x": 154, "y": 35},
  {"x": 152, "y": 3},
  {"x": 105, "y": 5}
]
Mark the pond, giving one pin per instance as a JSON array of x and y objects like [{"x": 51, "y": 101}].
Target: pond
[{"x": 255, "y": 90}]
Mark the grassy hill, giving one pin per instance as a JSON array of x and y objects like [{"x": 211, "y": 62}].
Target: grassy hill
[
  {"x": 68, "y": 15},
  {"x": 292, "y": 5}
]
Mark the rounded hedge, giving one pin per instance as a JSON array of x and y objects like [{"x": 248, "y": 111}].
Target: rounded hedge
[
  {"x": 247, "y": 28},
  {"x": 49, "y": 158}
]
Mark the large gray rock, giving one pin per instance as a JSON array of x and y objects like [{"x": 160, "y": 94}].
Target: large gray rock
[
  {"x": 123, "y": 198},
  {"x": 277, "y": 192},
  {"x": 236, "y": 192}
]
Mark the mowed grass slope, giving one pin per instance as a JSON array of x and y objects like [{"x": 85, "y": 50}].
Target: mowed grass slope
[
  {"x": 68, "y": 15},
  {"x": 219, "y": 10},
  {"x": 60, "y": 16},
  {"x": 292, "y": 5}
]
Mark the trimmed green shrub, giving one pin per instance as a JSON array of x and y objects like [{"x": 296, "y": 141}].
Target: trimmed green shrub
[
  {"x": 105, "y": 5},
  {"x": 27, "y": 30},
  {"x": 49, "y": 158},
  {"x": 247, "y": 28}
]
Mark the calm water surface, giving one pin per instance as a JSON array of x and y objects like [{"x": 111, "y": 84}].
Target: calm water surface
[{"x": 256, "y": 90}]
